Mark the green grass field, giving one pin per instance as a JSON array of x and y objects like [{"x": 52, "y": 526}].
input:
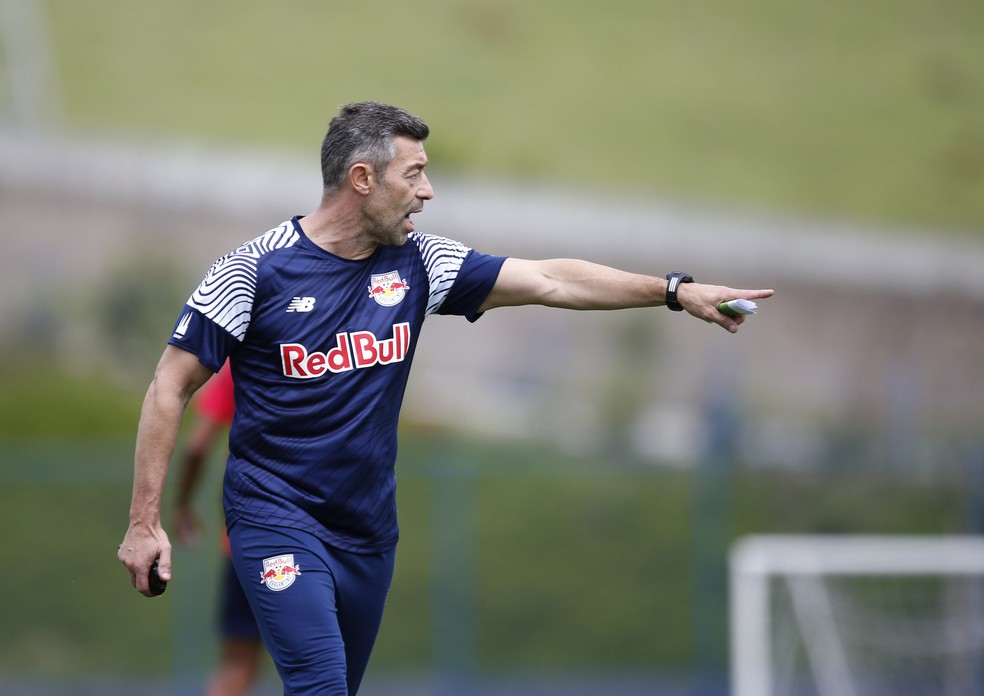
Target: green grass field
[{"x": 870, "y": 109}]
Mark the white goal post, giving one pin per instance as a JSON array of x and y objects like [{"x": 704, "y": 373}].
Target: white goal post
[{"x": 862, "y": 615}]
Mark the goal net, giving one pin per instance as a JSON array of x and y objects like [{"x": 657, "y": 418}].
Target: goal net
[{"x": 857, "y": 616}]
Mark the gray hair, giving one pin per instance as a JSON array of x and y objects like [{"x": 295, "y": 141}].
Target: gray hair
[{"x": 364, "y": 132}]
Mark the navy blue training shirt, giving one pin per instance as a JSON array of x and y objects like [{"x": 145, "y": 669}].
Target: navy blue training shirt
[{"x": 321, "y": 348}]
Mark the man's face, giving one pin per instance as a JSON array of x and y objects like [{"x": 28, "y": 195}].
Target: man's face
[{"x": 400, "y": 191}]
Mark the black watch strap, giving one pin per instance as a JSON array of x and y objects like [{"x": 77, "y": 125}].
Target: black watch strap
[{"x": 676, "y": 279}]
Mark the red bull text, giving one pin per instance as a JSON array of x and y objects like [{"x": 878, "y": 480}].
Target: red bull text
[{"x": 355, "y": 350}]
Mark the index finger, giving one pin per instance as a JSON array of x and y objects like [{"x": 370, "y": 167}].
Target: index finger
[{"x": 756, "y": 294}]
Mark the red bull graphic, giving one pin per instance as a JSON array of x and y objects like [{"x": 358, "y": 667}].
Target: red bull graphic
[
  {"x": 388, "y": 289},
  {"x": 279, "y": 572},
  {"x": 355, "y": 350}
]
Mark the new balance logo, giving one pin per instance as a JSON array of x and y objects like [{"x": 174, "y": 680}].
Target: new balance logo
[{"x": 301, "y": 304}]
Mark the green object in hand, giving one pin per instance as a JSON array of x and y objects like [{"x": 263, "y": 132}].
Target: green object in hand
[{"x": 738, "y": 308}]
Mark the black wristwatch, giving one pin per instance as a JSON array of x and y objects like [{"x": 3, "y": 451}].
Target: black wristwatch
[{"x": 675, "y": 278}]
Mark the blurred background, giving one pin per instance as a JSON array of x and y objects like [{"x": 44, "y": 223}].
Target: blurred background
[{"x": 570, "y": 483}]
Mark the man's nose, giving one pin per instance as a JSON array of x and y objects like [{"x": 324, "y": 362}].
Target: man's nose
[{"x": 426, "y": 191}]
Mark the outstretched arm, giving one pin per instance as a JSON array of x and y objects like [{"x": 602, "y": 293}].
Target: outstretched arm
[
  {"x": 177, "y": 377},
  {"x": 575, "y": 284}
]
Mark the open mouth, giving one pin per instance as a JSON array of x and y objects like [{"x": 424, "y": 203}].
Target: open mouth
[{"x": 408, "y": 221}]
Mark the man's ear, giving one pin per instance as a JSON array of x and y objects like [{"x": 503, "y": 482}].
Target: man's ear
[{"x": 362, "y": 177}]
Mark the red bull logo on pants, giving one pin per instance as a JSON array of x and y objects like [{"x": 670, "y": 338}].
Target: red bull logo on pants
[{"x": 279, "y": 572}]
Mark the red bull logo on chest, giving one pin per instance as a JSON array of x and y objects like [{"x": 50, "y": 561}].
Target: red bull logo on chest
[
  {"x": 388, "y": 288},
  {"x": 279, "y": 572},
  {"x": 354, "y": 350}
]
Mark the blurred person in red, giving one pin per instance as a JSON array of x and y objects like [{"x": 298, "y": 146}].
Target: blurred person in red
[{"x": 241, "y": 648}]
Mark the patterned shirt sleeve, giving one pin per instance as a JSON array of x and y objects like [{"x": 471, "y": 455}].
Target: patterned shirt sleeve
[
  {"x": 226, "y": 294},
  {"x": 217, "y": 315},
  {"x": 460, "y": 278}
]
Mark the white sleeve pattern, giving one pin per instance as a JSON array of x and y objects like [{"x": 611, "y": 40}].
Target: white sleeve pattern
[
  {"x": 442, "y": 259},
  {"x": 226, "y": 294}
]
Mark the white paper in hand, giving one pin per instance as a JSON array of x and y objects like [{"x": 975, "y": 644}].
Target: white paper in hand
[{"x": 738, "y": 308}]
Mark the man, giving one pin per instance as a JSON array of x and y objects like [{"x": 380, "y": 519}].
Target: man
[
  {"x": 320, "y": 318},
  {"x": 241, "y": 648}
]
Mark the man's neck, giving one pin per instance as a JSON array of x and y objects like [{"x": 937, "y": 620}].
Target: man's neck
[{"x": 338, "y": 232}]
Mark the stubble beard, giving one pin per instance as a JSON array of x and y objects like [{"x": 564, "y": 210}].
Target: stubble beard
[{"x": 384, "y": 229}]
